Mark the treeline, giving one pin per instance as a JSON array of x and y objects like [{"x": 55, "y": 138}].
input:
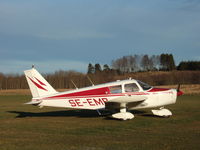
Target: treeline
[
  {"x": 144, "y": 63},
  {"x": 67, "y": 79},
  {"x": 59, "y": 80},
  {"x": 189, "y": 65},
  {"x": 12, "y": 81},
  {"x": 137, "y": 63},
  {"x": 153, "y": 69},
  {"x": 164, "y": 77}
]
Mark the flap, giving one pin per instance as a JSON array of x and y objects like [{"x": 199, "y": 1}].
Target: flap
[
  {"x": 33, "y": 102},
  {"x": 128, "y": 101}
]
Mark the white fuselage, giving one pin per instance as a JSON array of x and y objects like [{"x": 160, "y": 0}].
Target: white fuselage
[
  {"x": 95, "y": 97},
  {"x": 120, "y": 95}
]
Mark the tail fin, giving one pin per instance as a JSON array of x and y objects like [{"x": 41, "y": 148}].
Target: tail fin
[{"x": 38, "y": 85}]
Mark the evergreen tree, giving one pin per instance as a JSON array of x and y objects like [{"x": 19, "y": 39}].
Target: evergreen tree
[
  {"x": 163, "y": 61},
  {"x": 97, "y": 68},
  {"x": 106, "y": 68},
  {"x": 167, "y": 62},
  {"x": 189, "y": 65},
  {"x": 171, "y": 62},
  {"x": 90, "y": 69}
]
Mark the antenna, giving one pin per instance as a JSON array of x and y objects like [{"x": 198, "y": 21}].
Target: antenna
[
  {"x": 90, "y": 80},
  {"x": 74, "y": 84}
]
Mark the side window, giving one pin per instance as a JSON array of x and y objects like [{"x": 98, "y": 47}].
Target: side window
[
  {"x": 131, "y": 87},
  {"x": 116, "y": 89}
]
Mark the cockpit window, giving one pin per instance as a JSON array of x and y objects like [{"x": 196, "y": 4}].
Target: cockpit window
[
  {"x": 116, "y": 89},
  {"x": 144, "y": 85},
  {"x": 132, "y": 87}
]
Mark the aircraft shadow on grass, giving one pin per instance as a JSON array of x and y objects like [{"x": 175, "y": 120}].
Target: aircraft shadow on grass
[
  {"x": 63, "y": 113},
  {"x": 74, "y": 113}
]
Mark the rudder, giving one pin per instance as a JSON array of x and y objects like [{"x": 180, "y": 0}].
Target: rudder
[{"x": 38, "y": 85}]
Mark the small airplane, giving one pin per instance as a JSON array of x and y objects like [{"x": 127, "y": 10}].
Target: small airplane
[{"x": 121, "y": 95}]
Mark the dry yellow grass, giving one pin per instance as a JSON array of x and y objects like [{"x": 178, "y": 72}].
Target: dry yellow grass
[
  {"x": 15, "y": 92},
  {"x": 186, "y": 88}
]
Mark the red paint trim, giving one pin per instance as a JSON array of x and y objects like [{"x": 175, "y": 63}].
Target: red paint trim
[
  {"x": 137, "y": 93},
  {"x": 87, "y": 96},
  {"x": 40, "y": 81},
  {"x": 92, "y": 96},
  {"x": 93, "y": 92},
  {"x": 157, "y": 90},
  {"x": 39, "y": 86}
]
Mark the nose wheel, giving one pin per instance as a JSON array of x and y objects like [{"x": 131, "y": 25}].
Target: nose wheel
[{"x": 162, "y": 112}]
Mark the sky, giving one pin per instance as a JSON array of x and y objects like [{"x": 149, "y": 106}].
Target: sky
[{"x": 70, "y": 34}]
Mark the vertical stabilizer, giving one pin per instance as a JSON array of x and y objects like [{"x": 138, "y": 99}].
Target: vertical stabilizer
[{"x": 38, "y": 85}]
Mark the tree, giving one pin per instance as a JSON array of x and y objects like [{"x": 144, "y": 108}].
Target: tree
[
  {"x": 171, "y": 62},
  {"x": 167, "y": 62},
  {"x": 146, "y": 63},
  {"x": 131, "y": 64},
  {"x": 90, "y": 69},
  {"x": 155, "y": 61},
  {"x": 189, "y": 65},
  {"x": 163, "y": 62},
  {"x": 97, "y": 68},
  {"x": 116, "y": 64},
  {"x": 106, "y": 68}
]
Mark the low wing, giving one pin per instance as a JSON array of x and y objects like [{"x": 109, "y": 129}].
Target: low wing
[
  {"x": 125, "y": 101},
  {"x": 33, "y": 102},
  {"x": 128, "y": 99}
]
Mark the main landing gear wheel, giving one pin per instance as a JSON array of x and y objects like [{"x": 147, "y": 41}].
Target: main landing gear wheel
[{"x": 123, "y": 114}]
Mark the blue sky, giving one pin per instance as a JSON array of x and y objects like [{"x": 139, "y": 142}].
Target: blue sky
[{"x": 68, "y": 34}]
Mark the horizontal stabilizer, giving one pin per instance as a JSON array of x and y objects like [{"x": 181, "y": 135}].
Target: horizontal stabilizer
[{"x": 33, "y": 102}]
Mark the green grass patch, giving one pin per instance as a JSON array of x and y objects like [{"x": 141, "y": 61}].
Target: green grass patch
[{"x": 31, "y": 128}]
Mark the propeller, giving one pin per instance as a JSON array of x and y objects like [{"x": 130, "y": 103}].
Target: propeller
[{"x": 179, "y": 93}]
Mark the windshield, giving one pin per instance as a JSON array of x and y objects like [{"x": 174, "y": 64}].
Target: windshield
[{"x": 145, "y": 86}]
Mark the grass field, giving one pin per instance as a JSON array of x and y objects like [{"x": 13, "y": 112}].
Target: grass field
[{"x": 30, "y": 128}]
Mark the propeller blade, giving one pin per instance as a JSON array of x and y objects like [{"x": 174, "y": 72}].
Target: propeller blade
[
  {"x": 179, "y": 93},
  {"x": 178, "y": 88}
]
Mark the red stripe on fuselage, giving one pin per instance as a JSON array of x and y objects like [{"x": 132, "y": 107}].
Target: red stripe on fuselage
[
  {"x": 66, "y": 96},
  {"x": 157, "y": 90},
  {"x": 92, "y": 92},
  {"x": 87, "y": 96}
]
